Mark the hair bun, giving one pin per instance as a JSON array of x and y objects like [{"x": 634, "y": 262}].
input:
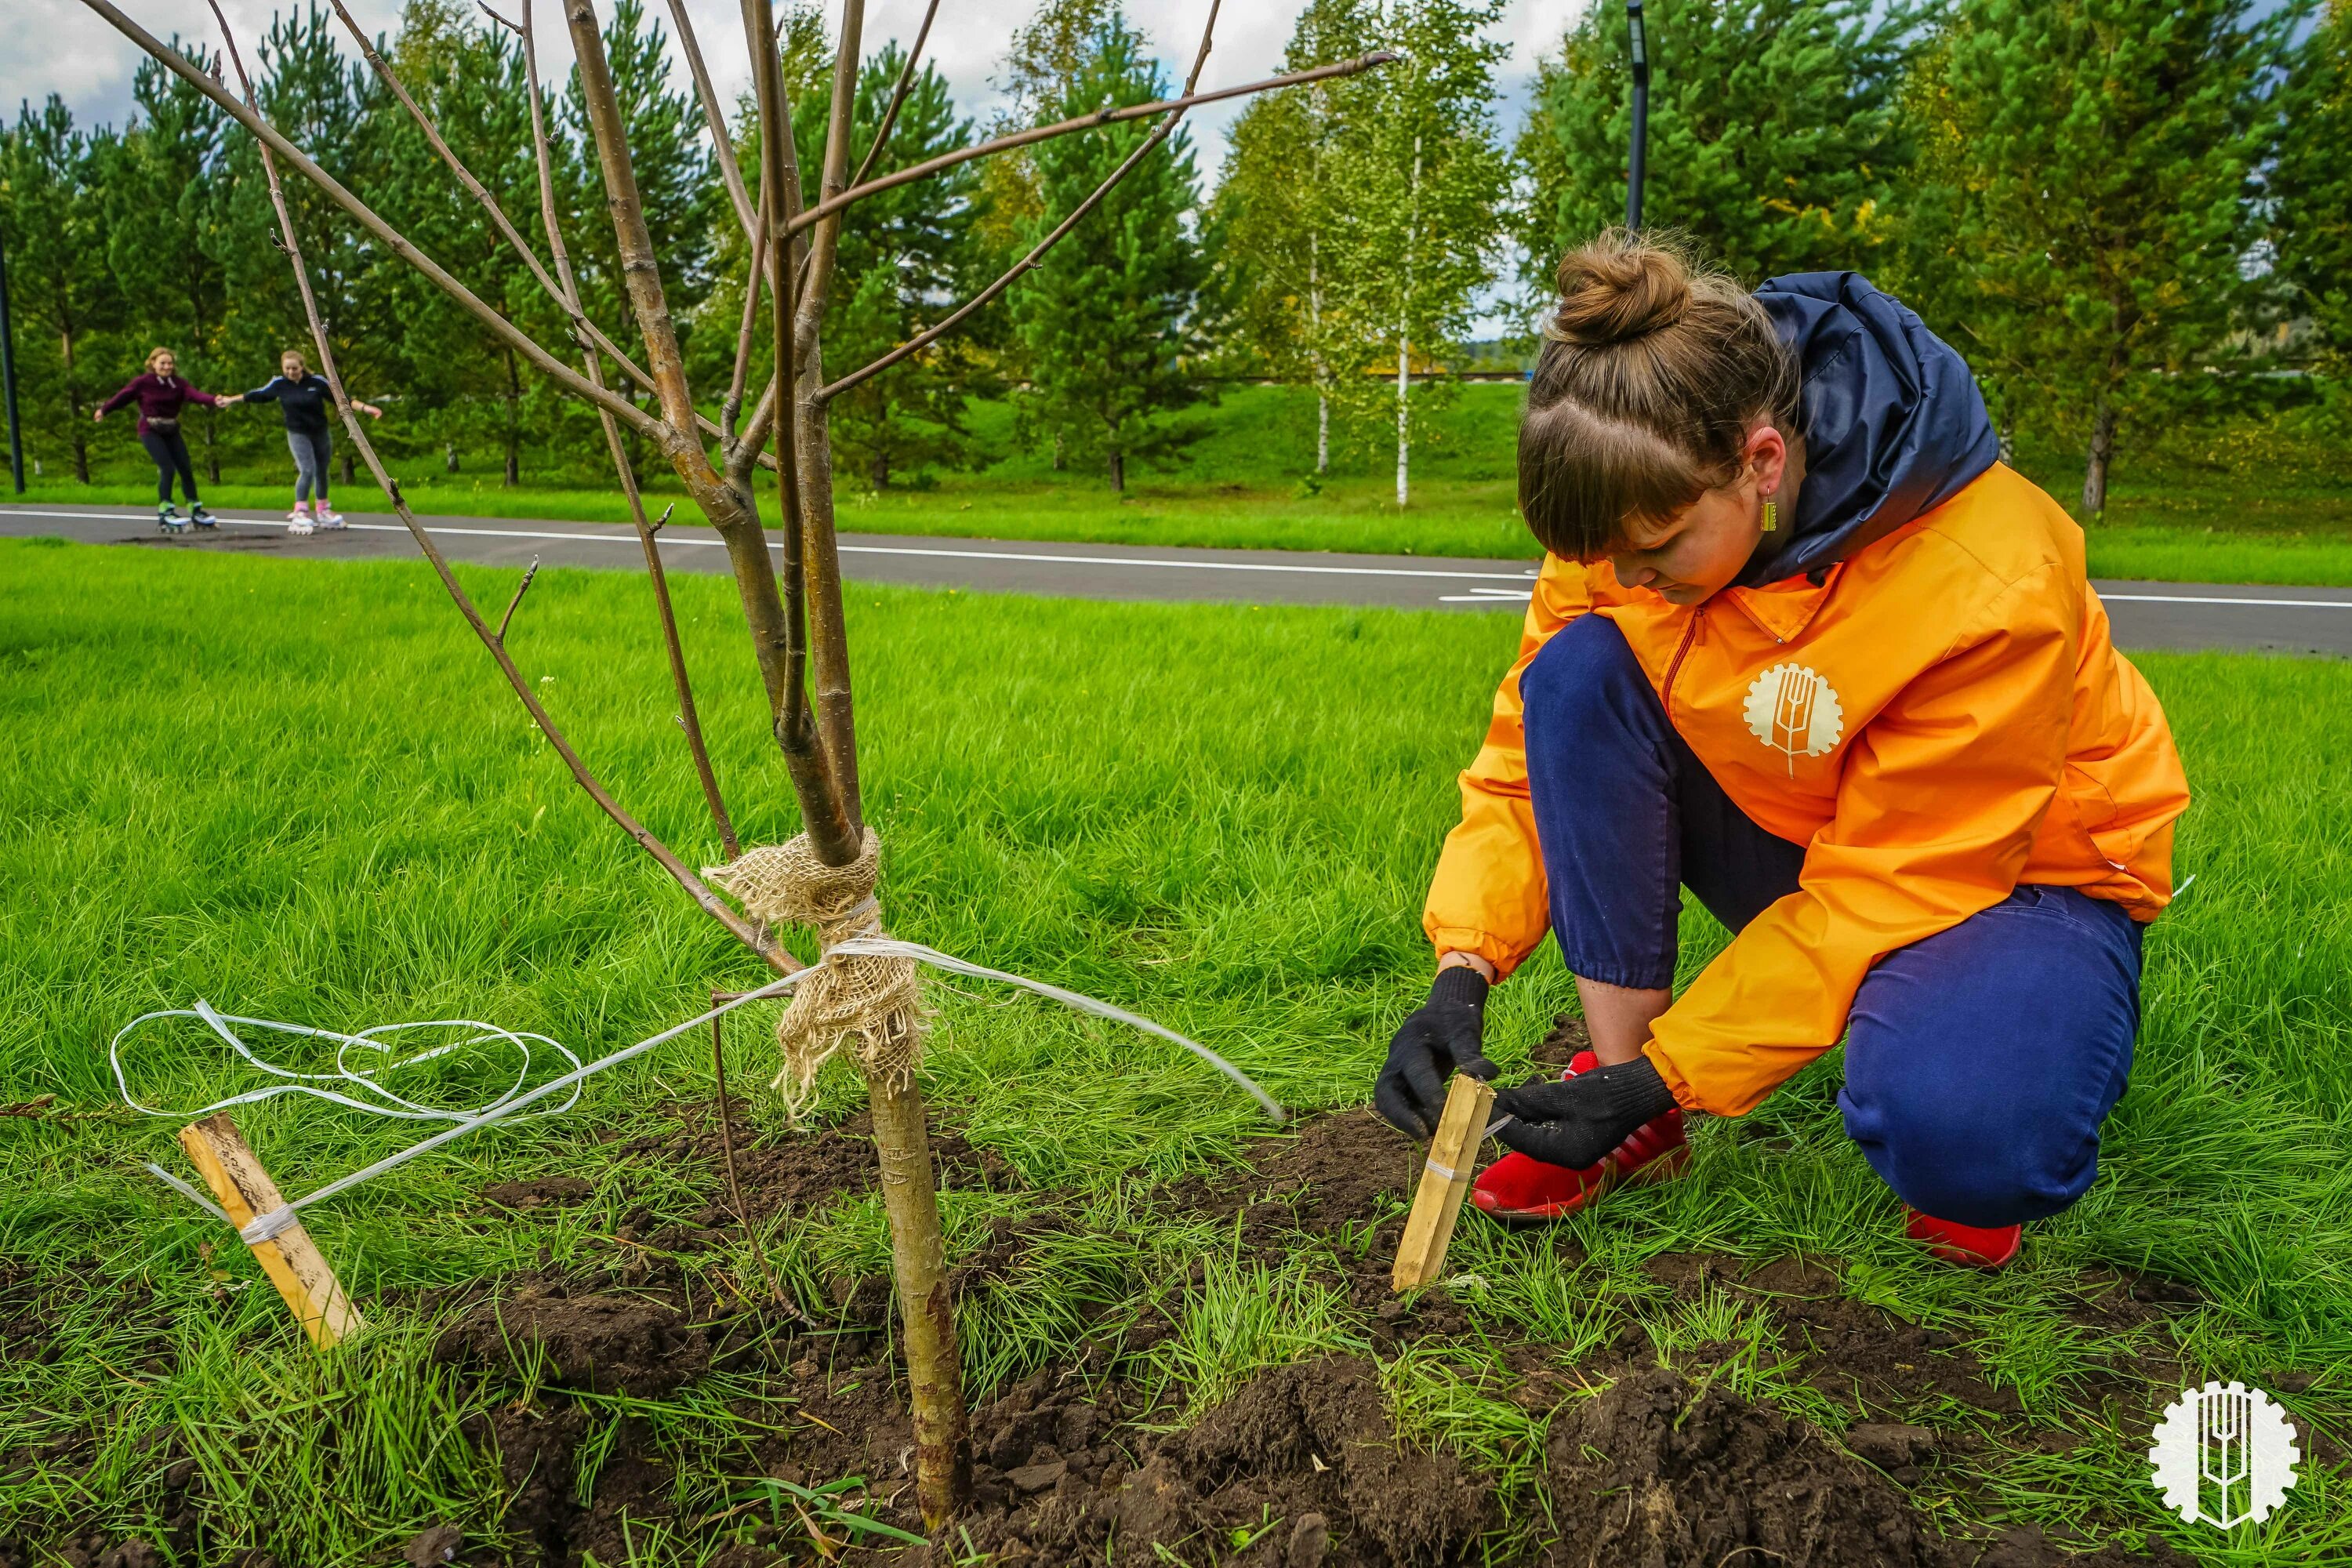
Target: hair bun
[{"x": 1618, "y": 288}]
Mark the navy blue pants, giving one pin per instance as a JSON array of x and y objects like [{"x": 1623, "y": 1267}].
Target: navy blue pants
[{"x": 1980, "y": 1062}]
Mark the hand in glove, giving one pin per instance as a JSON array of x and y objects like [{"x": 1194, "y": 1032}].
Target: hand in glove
[
  {"x": 1577, "y": 1121},
  {"x": 1444, "y": 1034}
]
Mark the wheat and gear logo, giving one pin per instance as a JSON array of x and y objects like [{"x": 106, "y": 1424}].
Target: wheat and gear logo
[
  {"x": 1792, "y": 709},
  {"x": 2224, "y": 1454}
]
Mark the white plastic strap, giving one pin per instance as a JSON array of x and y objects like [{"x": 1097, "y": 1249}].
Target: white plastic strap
[
  {"x": 1441, "y": 1172},
  {"x": 515, "y": 1099}
]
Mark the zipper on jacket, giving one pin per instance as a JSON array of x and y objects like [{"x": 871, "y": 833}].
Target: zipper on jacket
[{"x": 1690, "y": 634}]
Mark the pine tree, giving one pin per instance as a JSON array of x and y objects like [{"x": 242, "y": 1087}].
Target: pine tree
[
  {"x": 64, "y": 297},
  {"x": 1276, "y": 212},
  {"x": 2084, "y": 205},
  {"x": 1109, "y": 320},
  {"x": 157, "y": 209},
  {"x": 2311, "y": 183},
  {"x": 1420, "y": 183},
  {"x": 903, "y": 254},
  {"x": 1776, "y": 138}
]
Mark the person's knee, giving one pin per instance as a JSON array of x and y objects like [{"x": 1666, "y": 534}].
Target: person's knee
[
  {"x": 1583, "y": 671},
  {"x": 1977, "y": 1162}
]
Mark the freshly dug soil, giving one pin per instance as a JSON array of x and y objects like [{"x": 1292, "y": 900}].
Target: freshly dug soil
[
  {"x": 1301, "y": 1468},
  {"x": 1307, "y": 1449}
]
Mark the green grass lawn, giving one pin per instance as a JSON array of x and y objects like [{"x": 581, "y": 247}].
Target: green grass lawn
[
  {"x": 1245, "y": 485},
  {"x": 296, "y": 790}
]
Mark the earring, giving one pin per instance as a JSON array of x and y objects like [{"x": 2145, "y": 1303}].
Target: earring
[{"x": 1771, "y": 516}]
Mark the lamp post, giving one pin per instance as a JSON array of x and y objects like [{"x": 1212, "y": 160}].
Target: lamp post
[
  {"x": 9, "y": 376},
  {"x": 1639, "y": 156}
]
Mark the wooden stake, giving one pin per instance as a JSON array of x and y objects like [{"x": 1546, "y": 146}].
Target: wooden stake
[
  {"x": 290, "y": 1258},
  {"x": 1444, "y": 1182}
]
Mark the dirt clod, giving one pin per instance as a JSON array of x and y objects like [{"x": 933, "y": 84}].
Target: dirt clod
[
  {"x": 431, "y": 1547},
  {"x": 538, "y": 1192},
  {"x": 612, "y": 1343}
]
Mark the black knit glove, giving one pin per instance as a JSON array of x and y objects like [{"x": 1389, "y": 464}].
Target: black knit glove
[
  {"x": 1443, "y": 1035},
  {"x": 1575, "y": 1121}
]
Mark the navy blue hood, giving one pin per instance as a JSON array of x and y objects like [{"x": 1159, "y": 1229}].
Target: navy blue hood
[{"x": 1893, "y": 424}]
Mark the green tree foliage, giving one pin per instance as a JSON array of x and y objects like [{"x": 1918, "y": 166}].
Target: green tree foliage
[
  {"x": 905, "y": 257},
  {"x": 2311, "y": 183},
  {"x": 66, "y": 300},
  {"x": 1276, "y": 212},
  {"x": 1111, "y": 319},
  {"x": 2084, "y": 218},
  {"x": 1419, "y": 182},
  {"x": 1776, "y": 137}
]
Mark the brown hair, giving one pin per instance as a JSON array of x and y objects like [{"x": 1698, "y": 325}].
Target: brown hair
[
  {"x": 1653, "y": 369},
  {"x": 152, "y": 355}
]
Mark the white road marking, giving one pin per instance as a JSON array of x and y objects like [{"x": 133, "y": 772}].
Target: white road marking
[
  {"x": 1475, "y": 594},
  {"x": 1526, "y": 575}
]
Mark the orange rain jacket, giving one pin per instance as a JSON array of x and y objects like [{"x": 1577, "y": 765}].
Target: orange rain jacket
[{"x": 1939, "y": 717}]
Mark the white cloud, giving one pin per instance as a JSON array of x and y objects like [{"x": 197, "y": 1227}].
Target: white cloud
[{"x": 67, "y": 50}]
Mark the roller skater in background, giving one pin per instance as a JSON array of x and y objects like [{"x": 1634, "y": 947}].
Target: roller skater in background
[
  {"x": 304, "y": 396},
  {"x": 161, "y": 395}
]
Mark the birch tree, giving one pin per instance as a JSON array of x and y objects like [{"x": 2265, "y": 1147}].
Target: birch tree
[{"x": 1421, "y": 183}]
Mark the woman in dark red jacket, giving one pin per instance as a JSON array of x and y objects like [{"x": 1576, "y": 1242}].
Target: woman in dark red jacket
[{"x": 161, "y": 395}]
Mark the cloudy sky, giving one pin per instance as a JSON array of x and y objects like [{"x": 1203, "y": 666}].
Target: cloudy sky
[{"x": 57, "y": 46}]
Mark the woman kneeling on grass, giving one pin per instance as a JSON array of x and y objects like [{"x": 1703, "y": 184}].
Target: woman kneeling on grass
[
  {"x": 304, "y": 398},
  {"x": 1803, "y": 645}
]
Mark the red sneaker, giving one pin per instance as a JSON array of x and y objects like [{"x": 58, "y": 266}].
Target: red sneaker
[
  {"x": 1520, "y": 1188},
  {"x": 1971, "y": 1245}
]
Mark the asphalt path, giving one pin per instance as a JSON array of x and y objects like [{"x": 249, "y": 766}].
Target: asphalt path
[{"x": 2146, "y": 614}]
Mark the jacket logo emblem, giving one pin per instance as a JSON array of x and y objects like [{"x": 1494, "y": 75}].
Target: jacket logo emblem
[{"x": 1795, "y": 712}]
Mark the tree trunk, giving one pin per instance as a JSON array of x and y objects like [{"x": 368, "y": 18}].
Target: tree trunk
[
  {"x": 2103, "y": 450},
  {"x": 514, "y": 419},
  {"x": 449, "y": 455},
  {"x": 1315, "y": 328},
  {"x": 1118, "y": 470},
  {"x": 1057, "y": 451},
  {"x": 927, "y": 1313},
  {"x": 878, "y": 470},
  {"x": 1404, "y": 335},
  {"x": 1404, "y": 448},
  {"x": 212, "y": 446},
  {"x": 1322, "y": 431},
  {"x": 77, "y": 440},
  {"x": 347, "y": 480}
]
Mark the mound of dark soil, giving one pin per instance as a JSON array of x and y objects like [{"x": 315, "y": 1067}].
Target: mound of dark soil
[
  {"x": 611, "y": 1343},
  {"x": 1347, "y": 1168},
  {"x": 1309, "y": 1447},
  {"x": 811, "y": 1168}
]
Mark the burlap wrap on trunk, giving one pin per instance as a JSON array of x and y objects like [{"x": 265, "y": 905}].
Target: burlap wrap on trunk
[{"x": 872, "y": 1004}]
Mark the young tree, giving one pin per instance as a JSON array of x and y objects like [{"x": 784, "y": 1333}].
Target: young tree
[
  {"x": 1421, "y": 184},
  {"x": 2310, "y": 184},
  {"x": 1776, "y": 138},
  {"x": 1276, "y": 210},
  {"x": 2085, "y": 193},
  {"x": 1109, "y": 320},
  {"x": 856, "y": 997}
]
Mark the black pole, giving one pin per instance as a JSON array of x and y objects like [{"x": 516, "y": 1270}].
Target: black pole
[
  {"x": 8, "y": 377},
  {"x": 1639, "y": 156}
]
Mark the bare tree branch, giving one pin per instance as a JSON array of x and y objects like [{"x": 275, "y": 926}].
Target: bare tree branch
[
  {"x": 583, "y": 326},
  {"x": 721, "y": 146},
  {"x": 897, "y": 96},
  {"x": 759, "y": 941},
  {"x": 825, "y": 244},
  {"x": 516, "y": 603},
  {"x": 833, "y": 829},
  {"x": 398, "y": 243},
  {"x": 929, "y": 167},
  {"x": 923, "y": 340},
  {"x": 689, "y": 717},
  {"x": 745, "y": 336}
]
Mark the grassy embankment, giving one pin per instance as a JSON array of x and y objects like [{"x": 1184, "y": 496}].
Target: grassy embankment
[
  {"x": 2172, "y": 517},
  {"x": 295, "y": 789}
]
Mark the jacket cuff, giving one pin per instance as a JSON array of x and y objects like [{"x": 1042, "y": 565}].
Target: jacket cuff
[
  {"x": 1685, "y": 1094},
  {"x": 1494, "y": 950}
]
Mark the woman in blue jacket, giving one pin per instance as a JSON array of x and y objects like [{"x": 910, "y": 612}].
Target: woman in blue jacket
[{"x": 305, "y": 397}]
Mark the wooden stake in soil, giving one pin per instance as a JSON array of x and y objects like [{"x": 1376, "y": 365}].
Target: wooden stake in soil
[
  {"x": 1444, "y": 1182},
  {"x": 290, "y": 1258}
]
